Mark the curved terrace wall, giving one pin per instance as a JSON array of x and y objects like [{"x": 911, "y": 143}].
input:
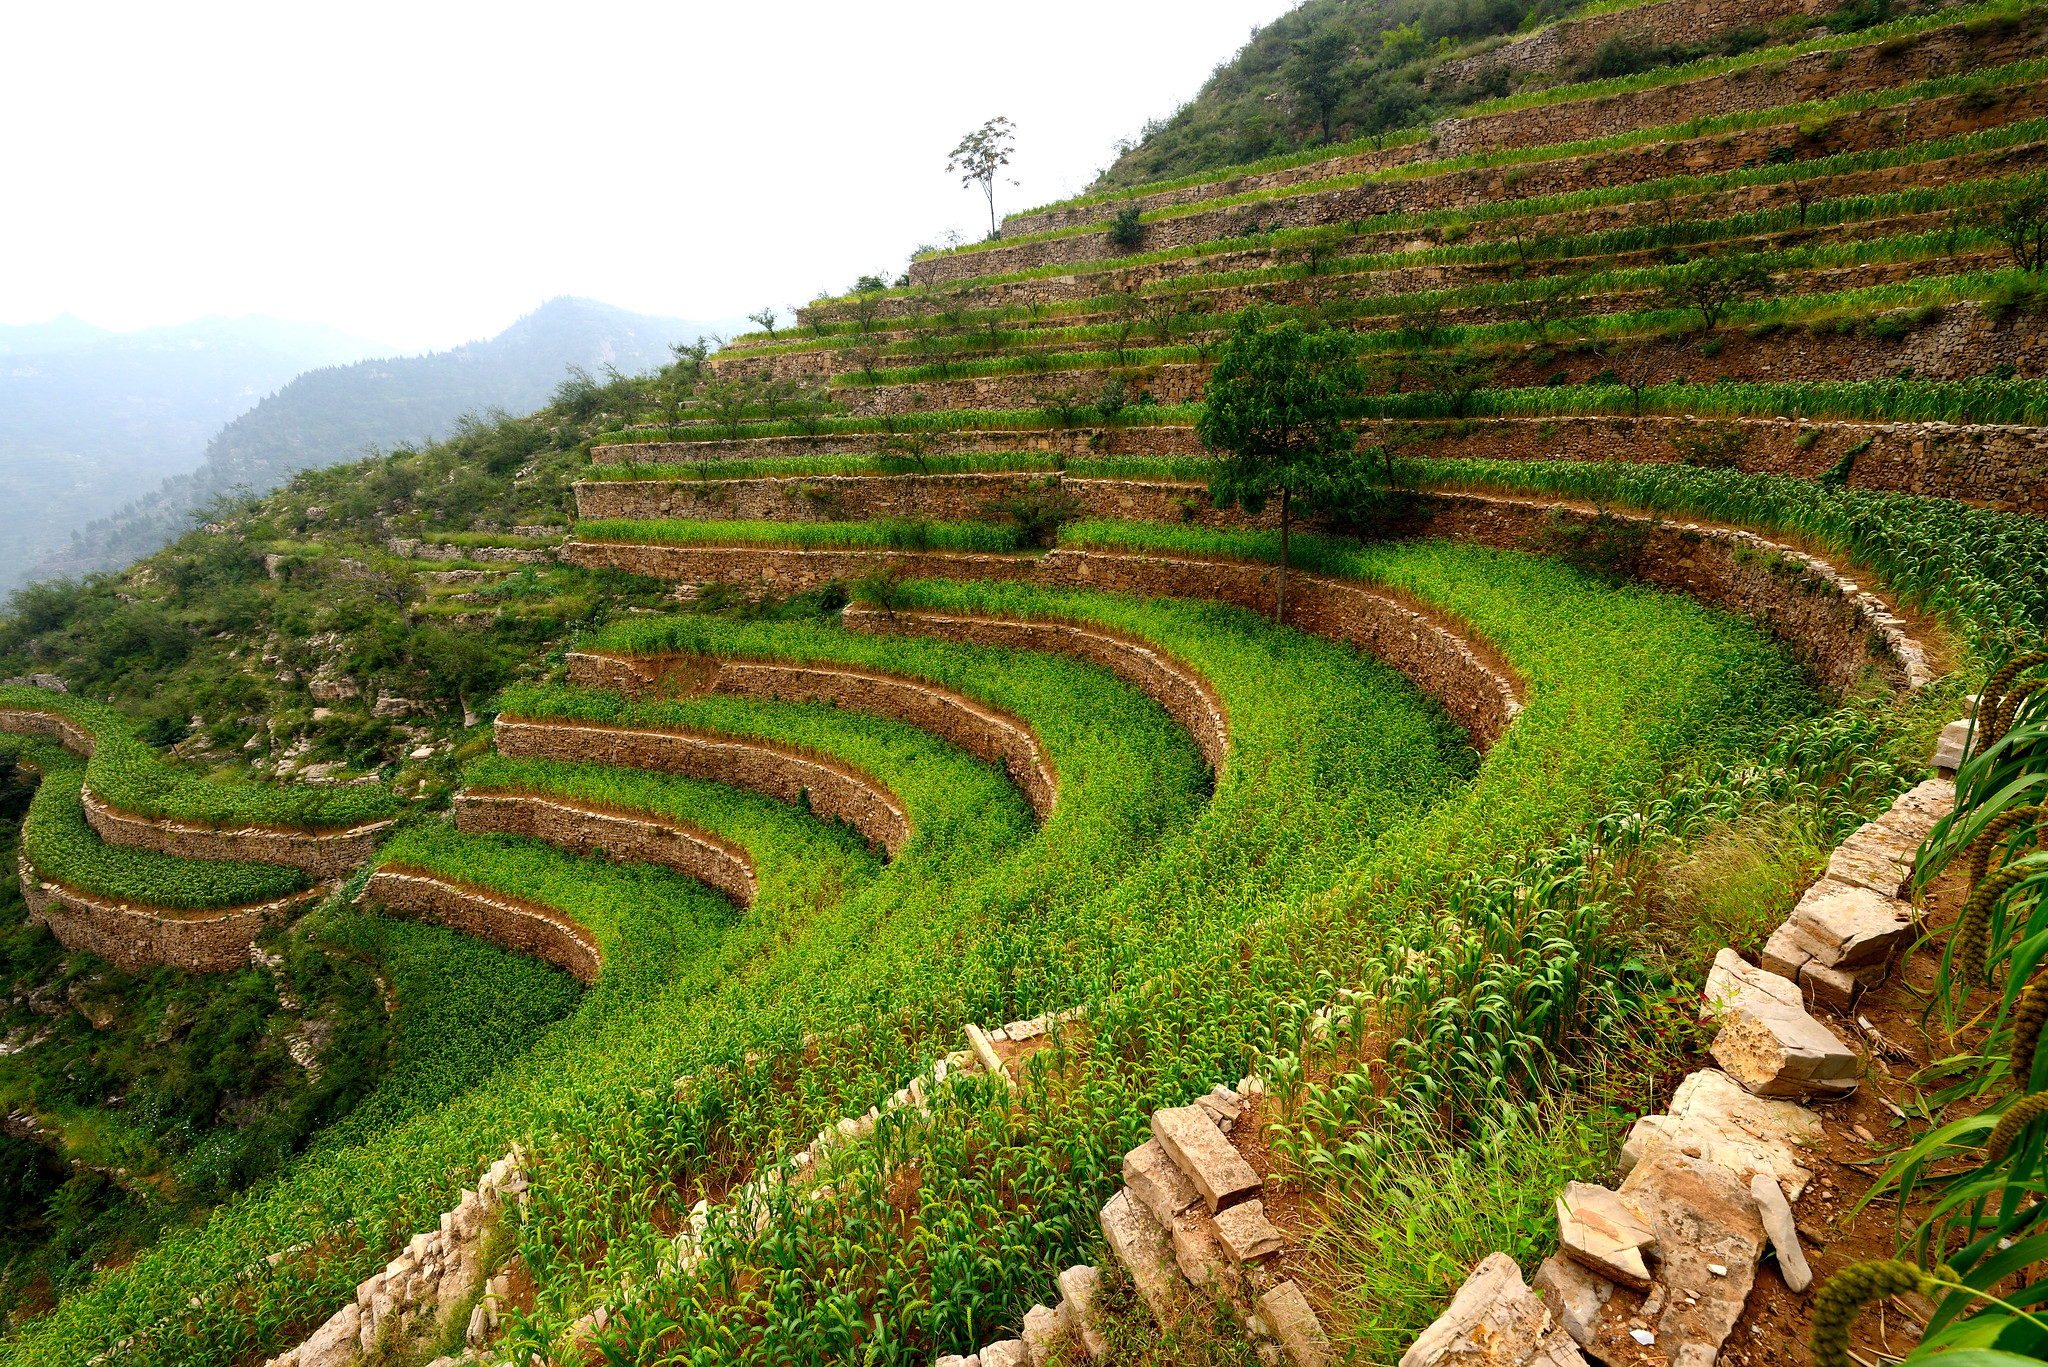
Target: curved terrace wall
[
  {"x": 324, "y": 856},
  {"x": 523, "y": 927},
  {"x": 1915, "y": 121},
  {"x": 1434, "y": 658},
  {"x": 135, "y": 937},
  {"x": 50, "y": 726},
  {"x": 622, "y": 836},
  {"x": 989, "y": 735},
  {"x": 835, "y": 792},
  {"x": 1187, "y": 697}
]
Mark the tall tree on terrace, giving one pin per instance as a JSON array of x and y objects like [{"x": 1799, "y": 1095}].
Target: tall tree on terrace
[
  {"x": 1275, "y": 407},
  {"x": 980, "y": 155},
  {"x": 1315, "y": 71}
]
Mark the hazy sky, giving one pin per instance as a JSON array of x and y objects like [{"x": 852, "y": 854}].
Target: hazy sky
[{"x": 422, "y": 173}]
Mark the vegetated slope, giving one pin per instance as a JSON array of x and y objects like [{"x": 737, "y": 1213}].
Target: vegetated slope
[
  {"x": 1334, "y": 71},
  {"x": 332, "y": 412},
  {"x": 89, "y": 416}
]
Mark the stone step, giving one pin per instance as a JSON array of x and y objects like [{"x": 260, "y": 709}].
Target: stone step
[
  {"x": 1494, "y": 1321},
  {"x": 1876, "y": 857},
  {"x": 1712, "y": 1117},
  {"x": 1605, "y": 1233},
  {"x": 1190, "y": 1137},
  {"x": 1709, "y": 1238},
  {"x": 1768, "y": 1042},
  {"x": 1285, "y": 1317}
]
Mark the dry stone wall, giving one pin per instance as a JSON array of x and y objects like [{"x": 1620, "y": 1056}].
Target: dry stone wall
[
  {"x": 989, "y": 735},
  {"x": 136, "y": 937},
  {"x": 1187, "y": 697},
  {"x": 583, "y": 829},
  {"x": 523, "y": 927},
  {"x": 331, "y": 855},
  {"x": 1916, "y": 121},
  {"x": 1672, "y": 23},
  {"x": 1068, "y": 443},
  {"x": 835, "y": 792},
  {"x": 49, "y": 726},
  {"x": 1437, "y": 660},
  {"x": 1166, "y": 384}
]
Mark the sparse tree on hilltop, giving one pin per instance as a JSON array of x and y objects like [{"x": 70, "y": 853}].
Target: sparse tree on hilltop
[
  {"x": 1275, "y": 407},
  {"x": 1315, "y": 71},
  {"x": 766, "y": 318},
  {"x": 980, "y": 156}
]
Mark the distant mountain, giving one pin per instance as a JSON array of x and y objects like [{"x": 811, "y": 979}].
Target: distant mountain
[
  {"x": 88, "y": 416},
  {"x": 338, "y": 412}
]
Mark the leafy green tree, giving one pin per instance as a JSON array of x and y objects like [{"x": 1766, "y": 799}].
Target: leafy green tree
[
  {"x": 1714, "y": 284},
  {"x": 766, "y": 318},
  {"x": 980, "y": 156},
  {"x": 1275, "y": 407},
  {"x": 2020, "y": 221},
  {"x": 1315, "y": 72}
]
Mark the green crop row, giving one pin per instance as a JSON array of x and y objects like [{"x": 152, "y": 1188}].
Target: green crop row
[
  {"x": 980, "y": 537},
  {"x": 64, "y": 848},
  {"x": 129, "y": 776},
  {"x": 1981, "y": 399},
  {"x": 963, "y": 463}
]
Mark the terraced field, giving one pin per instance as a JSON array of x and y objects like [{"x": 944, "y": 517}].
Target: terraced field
[{"x": 1701, "y": 451}]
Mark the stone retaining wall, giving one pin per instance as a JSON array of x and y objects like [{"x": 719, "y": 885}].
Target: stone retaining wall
[
  {"x": 1167, "y": 384},
  {"x": 1069, "y": 443},
  {"x": 1673, "y": 23},
  {"x": 1177, "y": 687},
  {"x": 135, "y": 937},
  {"x": 521, "y": 927},
  {"x": 1114, "y": 275},
  {"x": 324, "y": 856},
  {"x": 50, "y": 726},
  {"x": 835, "y": 792},
  {"x": 1435, "y": 659},
  {"x": 617, "y": 835},
  {"x": 989, "y": 735},
  {"x": 1916, "y": 121}
]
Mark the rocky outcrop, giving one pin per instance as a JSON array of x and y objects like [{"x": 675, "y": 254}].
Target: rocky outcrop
[{"x": 832, "y": 791}]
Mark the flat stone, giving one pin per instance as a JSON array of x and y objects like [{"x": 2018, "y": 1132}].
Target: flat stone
[
  {"x": 1954, "y": 746},
  {"x": 1853, "y": 926},
  {"x": 1784, "y": 1053},
  {"x": 1007, "y": 1353},
  {"x": 1790, "y": 950},
  {"x": 1198, "y": 1253},
  {"x": 1733, "y": 982},
  {"x": 1285, "y": 1316},
  {"x": 1598, "y": 1228},
  {"x": 333, "y": 1344},
  {"x": 1199, "y": 1149},
  {"x": 1711, "y": 1117},
  {"x": 1024, "y": 1030},
  {"x": 1914, "y": 812},
  {"x": 1141, "y": 1244},
  {"x": 1044, "y": 1326},
  {"x": 1157, "y": 1181},
  {"x": 1574, "y": 1293},
  {"x": 1776, "y": 1214},
  {"x": 1494, "y": 1321},
  {"x": 1704, "y": 1217},
  {"x": 955, "y": 1360},
  {"x": 1874, "y": 856},
  {"x": 1078, "y": 1286},
  {"x": 1245, "y": 1232},
  {"x": 1835, "y": 988}
]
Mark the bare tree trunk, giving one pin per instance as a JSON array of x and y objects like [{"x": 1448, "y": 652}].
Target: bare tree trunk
[{"x": 1280, "y": 600}]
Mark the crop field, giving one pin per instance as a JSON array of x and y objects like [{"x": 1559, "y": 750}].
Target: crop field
[{"x": 1460, "y": 970}]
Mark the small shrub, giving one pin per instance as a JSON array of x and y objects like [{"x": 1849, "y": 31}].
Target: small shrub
[{"x": 1126, "y": 233}]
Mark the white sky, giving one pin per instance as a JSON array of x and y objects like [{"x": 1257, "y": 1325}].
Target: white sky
[{"x": 421, "y": 173}]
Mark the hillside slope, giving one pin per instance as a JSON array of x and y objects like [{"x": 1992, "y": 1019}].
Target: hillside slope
[
  {"x": 88, "y": 416},
  {"x": 336, "y": 412}
]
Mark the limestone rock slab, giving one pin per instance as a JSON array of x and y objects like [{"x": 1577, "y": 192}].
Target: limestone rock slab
[
  {"x": 1007, "y": 1353},
  {"x": 1876, "y": 857},
  {"x": 1732, "y": 982},
  {"x": 1494, "y": 1321},
  {"x": 1704, "y": 1217},
  {"x": 1140, "y": 1243},
  {"x": 1854, "y": 926},
  {"x": 1198, "y": 1252},
  {"x": 1043, "y": 1327},
  {"x": 1245, "y": 1233},
  {"x": 1286, "y": 1317},
  {"x": 1712, "y": 1117},
  {"x": 1954, "y": 746},
  {"x": 1601, "y": 1230},
  {"x": 1768, "y": 1042},
  {"x": 1198, "y": 1148},
  {"x": 1078, "y": 1286},
  {"x": 1776, "y": 1214},
  {"x": 1157, "y": 1180},
  {"x": 1574, "y": 1293},
  {"x": 1914, "y": 812}
]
